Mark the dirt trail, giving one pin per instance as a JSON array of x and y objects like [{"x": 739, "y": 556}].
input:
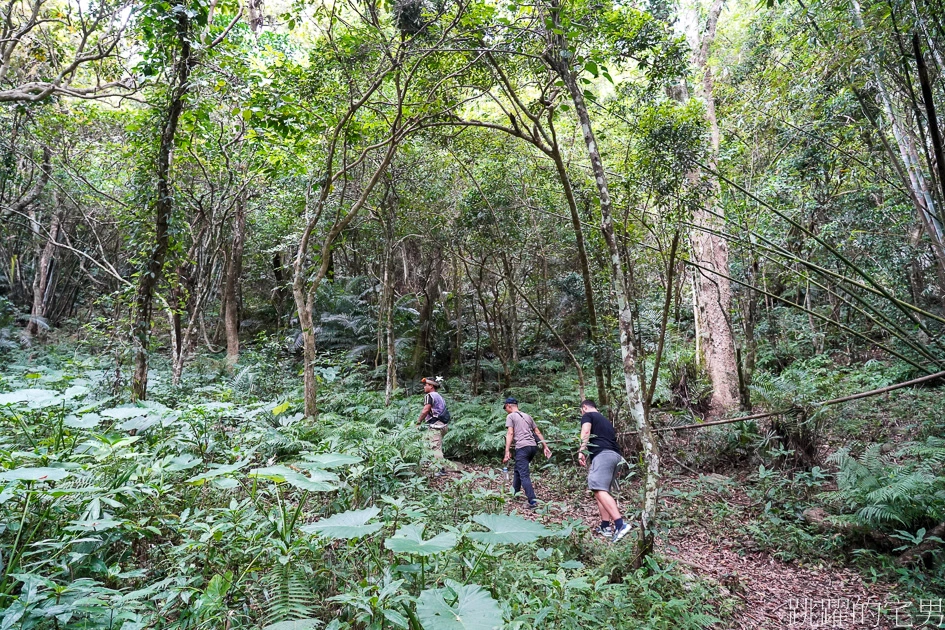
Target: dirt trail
[{"x": 773, "y": 595}]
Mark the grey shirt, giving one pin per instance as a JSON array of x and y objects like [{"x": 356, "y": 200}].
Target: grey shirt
[{"x": 523, "y": 429}]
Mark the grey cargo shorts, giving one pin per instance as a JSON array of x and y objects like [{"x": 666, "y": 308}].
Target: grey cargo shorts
[{"x": 603, "y": 469}]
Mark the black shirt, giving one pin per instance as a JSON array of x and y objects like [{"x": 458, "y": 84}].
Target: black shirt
[{"x": 603, "y": 437}]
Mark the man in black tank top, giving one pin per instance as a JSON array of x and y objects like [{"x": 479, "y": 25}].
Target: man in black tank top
[{"x": 599, "y": 439}]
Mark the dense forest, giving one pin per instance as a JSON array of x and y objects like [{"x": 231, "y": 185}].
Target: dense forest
[{"x": 240, "y": 239}]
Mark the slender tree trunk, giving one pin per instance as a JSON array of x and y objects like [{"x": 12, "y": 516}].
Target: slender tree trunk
[
  {"x": 163, "y": 205},
  {"x": 234, "y": 269},
  {"x": 592, "y": 329},
  {"x": 909, "y": 168},
  {"x": 624, "y": 306},
  {"x": 42, "y": 274},
  {"x": 457, "y": 358},
  {"x": 391, "y": 381}
]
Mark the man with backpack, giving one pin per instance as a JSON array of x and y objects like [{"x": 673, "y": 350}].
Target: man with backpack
[
  {"x": 437, "y": 417},
  {"x": 599, "y": 439},
  {"x": 523, "y": 432}
]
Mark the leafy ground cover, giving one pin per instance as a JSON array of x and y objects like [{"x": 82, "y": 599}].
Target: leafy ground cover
[{"x": 217, "y": 505}]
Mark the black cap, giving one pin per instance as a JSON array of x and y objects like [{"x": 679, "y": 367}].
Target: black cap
[{"x": 510, "y": 401}]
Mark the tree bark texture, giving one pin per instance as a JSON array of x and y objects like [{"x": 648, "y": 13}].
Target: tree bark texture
[
  {"x": 42, "y": 275},
  {"x": 713, "y": 291},
  {"x": 592, "y": 329},
  {"x": 234, "y": 270},
  {"x": 163, "y": 206}
]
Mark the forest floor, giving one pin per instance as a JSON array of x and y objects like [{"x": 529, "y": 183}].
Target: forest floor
[{"x": 767, "y": 593}]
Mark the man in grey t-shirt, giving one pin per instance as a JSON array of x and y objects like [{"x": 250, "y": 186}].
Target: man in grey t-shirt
[{"x": 525, "y": 434}]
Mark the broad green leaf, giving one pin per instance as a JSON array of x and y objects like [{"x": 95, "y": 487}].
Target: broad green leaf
[
  {"x": 26, "y": 395},
  {"x": 508, "y": 529},
  {"x": 572, "y": 564},
  {"x": 313, "y": 483},
  {"x": 76, "y": 391},
  {"x": 124, "y": 413},
  {"x": 86, "y": 421},
  {"x": 181, "y": 462},
  {"x": 272, "y": 473},
  {"x": 332, "y": 460},
  {"x": 280, "y": 408},
  {"x": 350, "y": 524},
  {"x": 140, "y": 423},
  {"x": 99, "y": 525},
  {"x": 216, "y": 471},
  {"x": 295, "y": 624},
  {"x": 409, "y": 539},
  {"x": 34, "y": 474},
  {"x": 474, "y": 608},
  {"x": 396, "y": 618}
]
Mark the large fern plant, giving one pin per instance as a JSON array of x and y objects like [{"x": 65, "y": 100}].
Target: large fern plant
[{"x": 895, "y": 491}]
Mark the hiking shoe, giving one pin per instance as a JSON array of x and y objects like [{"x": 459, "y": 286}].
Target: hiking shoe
[
  {"x": 532, "y": 505},
  {"x": 619, "y": 534},
  {"x": 441, "y": 473},
  {"x": 604, "y": 531}
]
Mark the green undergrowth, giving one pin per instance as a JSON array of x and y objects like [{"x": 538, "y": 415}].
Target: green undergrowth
[
  {"x": 874, "y": 487},
  {"x": 218, "y": 505}
]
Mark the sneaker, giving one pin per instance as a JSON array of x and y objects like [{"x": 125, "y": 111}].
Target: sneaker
[
  {"x": 532, "y": 505},
  {"x": 619, "y": 534},
  {"x": 607, "y": 532},
  {"x": 441, "y": 473}
]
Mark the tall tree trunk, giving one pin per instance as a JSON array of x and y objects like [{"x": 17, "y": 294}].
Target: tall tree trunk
[
  {"x": 592, "y": 329},
  {"x": 42, "y": 274},
  {"x": 163, "y": 205},
  {"x": 713, "y": 291},
  {"x": 457, "y": 358},
  {"x": 234, "y": 269},
  {"x": 624, "y": 306},
  {"x": 430, "y": 292}
]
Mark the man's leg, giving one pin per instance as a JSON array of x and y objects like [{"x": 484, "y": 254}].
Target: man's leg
[
  {"x": 607, "y": 506},
  {"x": 522, "y": 458},
  {"x": 435, "y": 436}
]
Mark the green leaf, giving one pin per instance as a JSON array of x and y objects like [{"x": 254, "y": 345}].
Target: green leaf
[
  {"x": 216, "y": 471},
  {"x": 332, "y": 460},
  {"x": 272, "y": 473},
  {"x": 350, "y": 524},
  {"x": 280, "y": 408},
  {"x": 409, "y": 539},
  {"x": 124, "y": 413},
  {"x": 99, "y": 525},
  {"x": 87, "y": 421},
  {"x": 34, "y": 474},
  {"x": 313, "y": 483},
  {"x": 35, "y": 397},
  {"x": 295, "y": 624},
  {"x": 474, "y": 608},
  {"x": 508, "y": 530}
]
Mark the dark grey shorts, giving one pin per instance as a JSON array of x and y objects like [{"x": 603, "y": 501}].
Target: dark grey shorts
[{"x": 600, "y": 476}]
